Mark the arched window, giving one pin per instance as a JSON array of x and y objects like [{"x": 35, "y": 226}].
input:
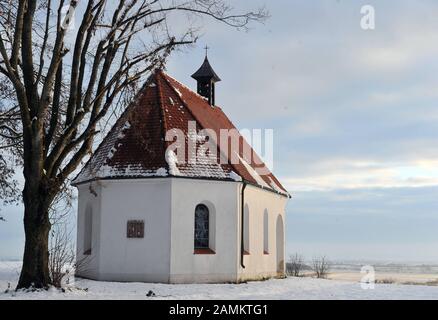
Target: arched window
[
  {"x": 266, "y": 232},
  {"x": 280, "y": 246},
  {"x": 246, "y": 232},
  {"x": 202, "y": 227},
  {"x": 88, "y": 230}
]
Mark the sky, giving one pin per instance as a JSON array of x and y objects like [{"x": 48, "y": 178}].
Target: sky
[{"x": 354, "y": 114}]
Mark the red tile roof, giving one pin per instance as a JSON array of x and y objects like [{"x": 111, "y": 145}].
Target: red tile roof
[{"x": 136, "y": 146}]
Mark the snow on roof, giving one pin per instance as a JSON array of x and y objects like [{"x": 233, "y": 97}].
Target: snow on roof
[
  {"x": 254, "y": 173},
  {"x": 136, "y": 146}
]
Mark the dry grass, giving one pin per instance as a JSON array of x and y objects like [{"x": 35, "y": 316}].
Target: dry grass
[{"x": 386, "y": 281}]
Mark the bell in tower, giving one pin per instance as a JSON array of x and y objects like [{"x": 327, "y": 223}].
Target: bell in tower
[{"x": 206, "y": 78}]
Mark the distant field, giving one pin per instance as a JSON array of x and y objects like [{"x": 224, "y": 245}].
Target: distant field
[{"x": 421, "y": 274}]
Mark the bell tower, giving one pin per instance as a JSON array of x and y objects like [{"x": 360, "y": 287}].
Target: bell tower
[{"x": 206, "y": 78}]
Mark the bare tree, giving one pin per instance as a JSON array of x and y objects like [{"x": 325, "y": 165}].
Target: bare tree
[
  {"x": 295, "y": 265},
  {"x": 67, "y": 83},
  {"x": 321, "y": 267},
  {"x": 61, "y": 255},
  {"x": 61, "y": 243}
]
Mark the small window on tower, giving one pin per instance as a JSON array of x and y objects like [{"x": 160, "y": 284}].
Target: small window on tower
[{"x": 135, "y": 229}]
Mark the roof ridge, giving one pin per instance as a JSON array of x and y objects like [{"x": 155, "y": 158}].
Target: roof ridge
[
  {"x": 186, "y": 87},
  {"x": 163, "y": 121},
  {"x": 199, "y": 124},
  {"x": 196, "y": 118},
  {"x": 254, "y": 155},
  {"x": 178, "y": 94}
]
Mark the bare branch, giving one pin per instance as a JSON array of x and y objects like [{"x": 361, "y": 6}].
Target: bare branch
[{"x": 321, "y": 267}]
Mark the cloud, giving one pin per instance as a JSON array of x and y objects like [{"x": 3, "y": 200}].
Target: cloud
[
  {"x": 350, "y": 109},
  {"x": 353, "y": 174},
  {"x": 365, "y": 224}
]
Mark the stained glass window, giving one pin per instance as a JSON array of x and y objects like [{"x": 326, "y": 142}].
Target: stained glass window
[{"x": 202, "y": 225}]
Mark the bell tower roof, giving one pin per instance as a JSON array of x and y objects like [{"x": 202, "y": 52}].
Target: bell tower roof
[{"x": 206, "y": 72}]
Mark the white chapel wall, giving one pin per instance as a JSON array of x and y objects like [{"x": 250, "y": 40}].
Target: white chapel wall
[
  {"x": 89, "y": 197},
  {"x": 147, "y": 259},
  {"x": 259, "y": 265},
  {"x": 221, "y": 199},
  {"x": 166, "y": 254}
]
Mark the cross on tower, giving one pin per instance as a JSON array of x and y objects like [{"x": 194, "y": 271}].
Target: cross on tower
[{"x": 206, "y": 50}]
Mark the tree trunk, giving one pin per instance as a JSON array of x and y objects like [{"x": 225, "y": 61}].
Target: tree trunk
[{"x": 35, "y": 269}]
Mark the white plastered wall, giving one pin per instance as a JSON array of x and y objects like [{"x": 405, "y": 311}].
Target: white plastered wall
[
  {"x": 222, "y": 200},
  {"x": 166, "y": 254},
  {"x": 123, "y": 259},
  {"x": 259, "y": 265},
  {"x": 89, "y": 198}
]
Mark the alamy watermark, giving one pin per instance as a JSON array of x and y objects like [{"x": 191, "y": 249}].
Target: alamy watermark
[
  {"x": 368, "y": 281},
  {"x": 252, "y": 148},
  {"x": 368, "y": 21}
]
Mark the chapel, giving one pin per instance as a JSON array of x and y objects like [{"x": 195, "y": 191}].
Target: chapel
[{"x": 174, "y": 194}]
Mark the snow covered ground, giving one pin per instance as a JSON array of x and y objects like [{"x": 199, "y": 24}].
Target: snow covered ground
[{"x": 288, "y": 289}]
